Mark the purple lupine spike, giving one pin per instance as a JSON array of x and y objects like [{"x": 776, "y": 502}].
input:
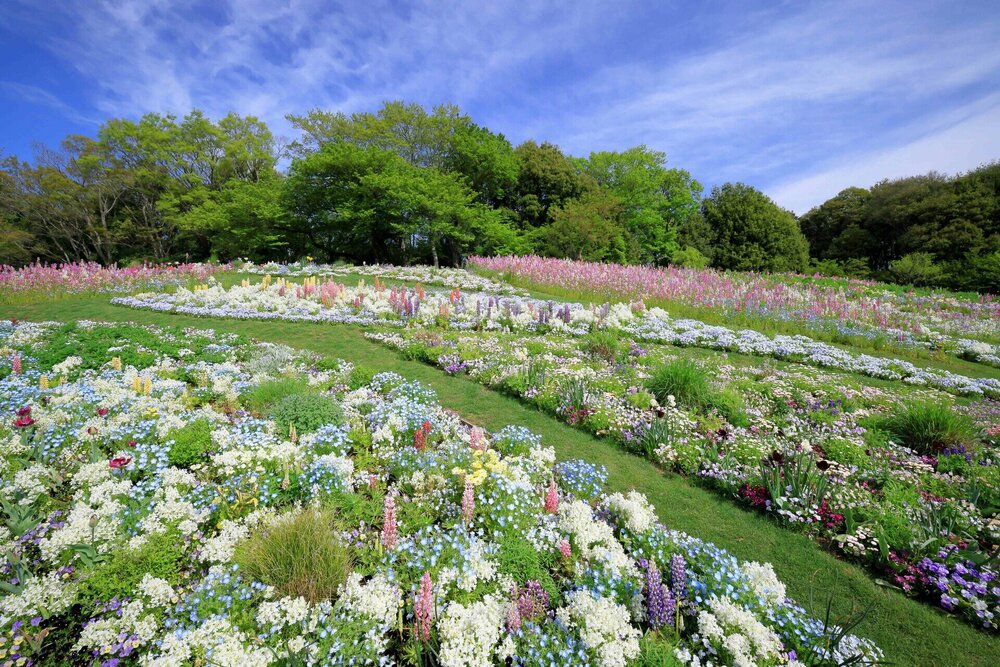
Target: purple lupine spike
[
  {"x": 656, "y": 597},
  {"x": 678, "y": 577}
]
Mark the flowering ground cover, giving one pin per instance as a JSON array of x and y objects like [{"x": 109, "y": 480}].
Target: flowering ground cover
[
  {"x": 82, "y": 277},
  {"x": 841, "y": 310},
  {"x": 169, "y": 495},
  {"x": 424, "y": 275},
  {"x": 364, "y": 305},
  {"x": 822, "y": 452}
]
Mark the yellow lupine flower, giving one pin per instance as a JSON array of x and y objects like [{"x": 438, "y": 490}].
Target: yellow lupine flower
[{"x": 43, "y": 382}]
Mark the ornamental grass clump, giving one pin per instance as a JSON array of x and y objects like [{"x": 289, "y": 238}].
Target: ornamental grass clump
[
  {"x": 302, "y": 556},
  {"x": 928, "y": 427},
  {"x": 690, "y": 386}
]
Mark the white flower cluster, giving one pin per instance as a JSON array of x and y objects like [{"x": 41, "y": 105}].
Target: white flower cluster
[
  {"x": 637, "y": 512},
  {"x": 604, "y": 625},
  {"x": 595, "y": 539},
  {"x": 469, "y": 634}
]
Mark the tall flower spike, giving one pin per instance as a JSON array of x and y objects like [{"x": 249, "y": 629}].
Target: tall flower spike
[
  {"x": 389, "y": 528},
  {"x": 15, "y": 365},
  {"x": 678, "y": 577},
  {"x": 656, "y": 597},
  {"x": 423, "y": 609},
  {"x": 552, "y": 498},
  {"x": 468, "y": 502}
]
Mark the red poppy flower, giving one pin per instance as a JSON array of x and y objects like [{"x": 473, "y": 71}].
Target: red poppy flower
[{"x": 120, "y": 461}]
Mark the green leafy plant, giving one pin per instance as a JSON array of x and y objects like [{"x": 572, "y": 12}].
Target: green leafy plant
[
  {"x": 122, "y": 570},
  {"x": 689, "y": 385},
  {"x": 307, "y": 412},
  {"x": 266, "y": 394},
  {"x": 190, "y": 443}
]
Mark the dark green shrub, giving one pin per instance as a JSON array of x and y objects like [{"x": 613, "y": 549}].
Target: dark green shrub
[
  {"x": 190, "y": 443},
  {"x": 929, "y": 427},
  {"x": 306, "y": 411},
  {"x": 302, "y": 556}
]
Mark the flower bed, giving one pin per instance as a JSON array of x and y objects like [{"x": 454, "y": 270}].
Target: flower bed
[
  {"x": 850, "y": 307},
  {"x": 81, "y": 277},
  {"x": 803, "y": 445},
  {"x": 364, "y": 305},
  {"x": 155, "y": 514},
  {"x": 425, "y": 275}
]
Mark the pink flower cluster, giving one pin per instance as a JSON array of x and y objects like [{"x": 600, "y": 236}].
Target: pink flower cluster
[
  {"x": 785, "y": 296},
  {"x": 92, "y": 277}
]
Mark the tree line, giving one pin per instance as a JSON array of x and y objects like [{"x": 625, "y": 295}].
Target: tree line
[{"x": 406, "y": 184}]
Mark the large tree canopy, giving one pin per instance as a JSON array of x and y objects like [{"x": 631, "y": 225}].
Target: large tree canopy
[
  {"x": 751, "y": 232},
  {"x": 405, "y": 183},
  {"x": 946, "y": 229}
]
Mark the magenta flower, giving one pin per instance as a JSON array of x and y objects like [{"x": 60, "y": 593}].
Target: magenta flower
[{"x": 552, "y": 498}]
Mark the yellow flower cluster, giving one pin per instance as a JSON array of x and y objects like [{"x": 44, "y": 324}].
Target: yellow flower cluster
[
  {"x": 483, "y": 464},
  {"x": 142, "y": 386}
]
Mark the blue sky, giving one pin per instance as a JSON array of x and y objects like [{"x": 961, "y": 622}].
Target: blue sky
[{"x": 800, "y": 99}]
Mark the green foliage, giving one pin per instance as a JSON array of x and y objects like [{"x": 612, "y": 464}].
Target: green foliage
[
  {"x": 930, "y": 229},
  {"x": 689, "y": 257},
  {"x": 916, "y": 268},
  {"x": 119, "y": 575},
  {"x": 262, "y": 397},
  {"x": 690, "y": 386},
  {"x": 589, "y": 228},
  {"x": 602, "y": 343},
  {"x": 190, "y": 443},
  {"x": 360, "y": 376},
  {"x": 928, "y": 427},
  {"x": 655, "y": 200},
  {"x": 520, "y": 560},
  {"x": 752, "y": 233},
  {"x": 301, "y": 556},
  {"x": 306, "y": 411}
]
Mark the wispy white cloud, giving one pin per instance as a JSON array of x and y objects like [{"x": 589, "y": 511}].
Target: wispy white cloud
[
  {"x": 39, "y": 96},
  {"x": 971, "y": 139},
  {"x": 786, "y": 97}
]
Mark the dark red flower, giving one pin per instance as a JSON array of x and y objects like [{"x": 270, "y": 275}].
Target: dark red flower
[
  {"x": 101, "y": 412},
  {"x": 132, "y": 443},
  {"x": 23, "y": 422},
  {"x": 823, "y": 465},
  {"x": 120, "y": 462},
  {"x": 23, "y": 412}
]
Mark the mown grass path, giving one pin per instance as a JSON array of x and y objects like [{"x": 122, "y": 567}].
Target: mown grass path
[{"x": 910, "y": 632}]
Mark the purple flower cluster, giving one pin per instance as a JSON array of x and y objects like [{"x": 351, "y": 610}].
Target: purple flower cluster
[
  {"x": 963, "y": 584},
  {"x": 660, "y": 605}
]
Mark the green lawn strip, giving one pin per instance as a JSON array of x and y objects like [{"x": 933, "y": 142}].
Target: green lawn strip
[{"x": 910, "y": 632}]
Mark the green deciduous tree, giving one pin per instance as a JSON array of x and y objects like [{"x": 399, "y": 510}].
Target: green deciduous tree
[
  {"x": 656, "y": 201},
  {"x": 752, "y": 233}
]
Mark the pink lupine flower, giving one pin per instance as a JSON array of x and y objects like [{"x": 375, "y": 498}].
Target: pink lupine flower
[
  {"x": 468, "y": 502},
  {"x": 15, "y": 365},
  {"x": 552, "y": 498},
  {"x": 423, "y": 609},
  {"x": 389, "y": 527},
  {"x": 565, "y": 550}
]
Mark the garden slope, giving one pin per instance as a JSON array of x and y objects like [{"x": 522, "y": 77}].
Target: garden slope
[{"x": 908, "y": 631}]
